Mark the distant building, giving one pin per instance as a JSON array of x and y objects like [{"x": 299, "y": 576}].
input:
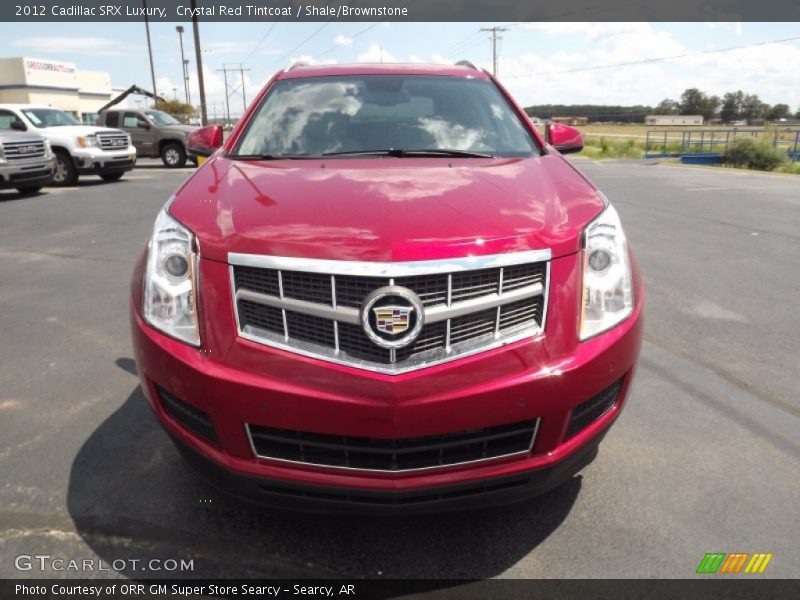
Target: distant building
[
  {"x": 673, "y": 120},
  {"x": 571, "y": 120},
  {"x": 54, "y": 83}
]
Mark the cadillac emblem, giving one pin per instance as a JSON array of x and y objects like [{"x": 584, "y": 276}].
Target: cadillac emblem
[
  {"x": 392, "y": 316},
  {"x": 392, "y": 319}
]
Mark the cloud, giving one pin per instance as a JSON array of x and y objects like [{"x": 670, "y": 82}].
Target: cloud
[
  {"x": 94, "y": 46},
  {"x": 342, "y": 40},
  {"x": 376, "y": 54}
]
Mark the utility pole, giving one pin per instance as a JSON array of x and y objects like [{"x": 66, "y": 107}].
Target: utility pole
[
  {"x": 184, "y": 64},
  {"x": 199, "y": 61},
  {"x": 224, "y": 70},
  {"x": 244, "y": 99},
  {"x": 494, "y": 31},
  {"x": 149, "y": 48}
]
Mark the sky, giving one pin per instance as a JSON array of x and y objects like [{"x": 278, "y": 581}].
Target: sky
[{"x": 540, "y": 63}]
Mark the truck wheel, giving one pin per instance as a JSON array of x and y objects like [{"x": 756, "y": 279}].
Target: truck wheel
[
  {"x": 173, "y": 155},
  {"x": 65, "y": 173},
  {"x": 111, "y": 176},
  {"x": 29, "y": 190}
]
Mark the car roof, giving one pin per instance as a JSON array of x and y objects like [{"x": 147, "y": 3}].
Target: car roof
[
  {"x": 21, "y": 106},
  {"x": 466, "y": 71}
]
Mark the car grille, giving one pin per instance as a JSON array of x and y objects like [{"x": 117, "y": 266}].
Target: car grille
[
  {"x": 112, "y": 142},
  {"x": 592, "y": 409},
  {"x": 313, "y": 307},
  {"x": 392, "y": 454},
  {"x": 24, "y": 150}
]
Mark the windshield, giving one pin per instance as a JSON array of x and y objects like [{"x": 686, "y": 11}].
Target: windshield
[
  {"x": 349, "y": 114},
  {"x": 161, "y": 118},
  {"x": 49, "y": 117}
]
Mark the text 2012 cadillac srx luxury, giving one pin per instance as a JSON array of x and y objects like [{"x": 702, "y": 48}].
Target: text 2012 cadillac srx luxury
[{"x": 386, "y": 292}]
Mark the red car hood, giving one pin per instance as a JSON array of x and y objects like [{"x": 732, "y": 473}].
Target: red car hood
[{"x": 386, "y": 209}]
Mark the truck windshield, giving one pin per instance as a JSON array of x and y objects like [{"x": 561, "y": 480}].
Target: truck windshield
[
  {"x": 394, "y": 115},
  {"x": 49, "y": 117},
  {"x": 161, "y": 118}
]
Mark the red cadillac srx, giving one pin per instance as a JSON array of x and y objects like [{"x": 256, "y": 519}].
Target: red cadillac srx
[{"x": 386, "y": 292}]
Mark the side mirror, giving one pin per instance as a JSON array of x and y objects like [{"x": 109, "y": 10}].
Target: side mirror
[
  {"x": 143, "y": 124},
  {"x": 563, "y": 138},
  {"x": 206, "y": 139},
  {"x": 18, "y": 126}
]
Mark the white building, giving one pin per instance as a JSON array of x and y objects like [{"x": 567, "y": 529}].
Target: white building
[
  {"x": 54, "y": 83},
  {"x": 673, "y": 120}
]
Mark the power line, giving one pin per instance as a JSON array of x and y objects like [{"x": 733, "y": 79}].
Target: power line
[
  {"x": 261, "y": 41},
  {"x": 657, "y": 59}
]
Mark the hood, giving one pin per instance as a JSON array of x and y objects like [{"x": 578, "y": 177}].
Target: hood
[
  {"x": 67, "y": 131},
  {"x": 386, "y": 209},
  {"x": 182, "y": 130},
  {"x": 19, "y": 136}
]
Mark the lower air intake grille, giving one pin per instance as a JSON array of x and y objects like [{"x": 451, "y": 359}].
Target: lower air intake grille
[
  {"x": 595, "y": 407},
  {"x": 190, "y": 417},
  {"x": 392, "y": 454}
]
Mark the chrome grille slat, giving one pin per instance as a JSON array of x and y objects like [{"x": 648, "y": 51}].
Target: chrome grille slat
[
  {"x": 312, "y": 307},
  {"x": 112, "y": 141},
  {"x": 33, "y": 149}
]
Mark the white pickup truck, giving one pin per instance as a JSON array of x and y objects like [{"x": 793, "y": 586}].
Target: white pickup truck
[{"x": 79, "y": 149}]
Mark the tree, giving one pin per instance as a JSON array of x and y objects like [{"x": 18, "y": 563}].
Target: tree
[
  {"x": 777, "y": 112},
  {"x": 667, "y": 106},
  {"x": 732, "y": 106},
  {"x": 695, "y": 102},
  {"x": 175, "y": 108},
  {"x": 754, "y": 108}
]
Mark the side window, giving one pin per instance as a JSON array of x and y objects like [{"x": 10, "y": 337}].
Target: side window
[
  {"x": 8, "y": 120},
  {"x": 112, "y": 119},
  {"x": 133, "y": 120}
]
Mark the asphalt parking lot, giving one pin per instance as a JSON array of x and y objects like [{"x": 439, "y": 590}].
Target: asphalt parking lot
[{"x": 705, "y": 457}]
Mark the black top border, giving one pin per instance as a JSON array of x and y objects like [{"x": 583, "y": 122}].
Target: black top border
[{"x": 495, "y": 11}]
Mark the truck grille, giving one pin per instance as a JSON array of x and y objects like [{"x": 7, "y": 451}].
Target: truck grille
[
  {"x": 24, "y": 150},
  {"x": 313, "y": 307},
  {"x": 392, "y": 455},
  {"x": 113, "y": 141}
]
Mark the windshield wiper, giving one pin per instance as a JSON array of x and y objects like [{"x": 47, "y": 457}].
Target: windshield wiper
[{"x": 401, "y": 152}]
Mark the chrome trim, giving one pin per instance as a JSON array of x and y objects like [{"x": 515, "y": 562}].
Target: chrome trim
[
  {"x": 388, "y": 269},
  {"x": 420, "y": 469},
  {"x": 435, "y": 314},
  {"x": 548, "y": 291},
  {"x": 324, "y": 311}
]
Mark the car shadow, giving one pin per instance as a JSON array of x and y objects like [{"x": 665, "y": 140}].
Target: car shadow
[
  {"x": 131, "y": 496},
  {"x": 9, "y": 195}
]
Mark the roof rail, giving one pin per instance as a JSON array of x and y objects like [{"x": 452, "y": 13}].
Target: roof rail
[
  {"x": 297, "y": 65},
  {"x": 466, "y": 63}
]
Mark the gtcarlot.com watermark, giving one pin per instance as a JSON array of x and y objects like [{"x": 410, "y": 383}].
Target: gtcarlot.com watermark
[{"x": 48, "y": 563}]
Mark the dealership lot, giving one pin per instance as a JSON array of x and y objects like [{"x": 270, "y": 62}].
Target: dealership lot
[{"x": 705, "y": 457}]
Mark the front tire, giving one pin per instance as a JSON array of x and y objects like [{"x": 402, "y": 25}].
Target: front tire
[
  {"x": 111, "y": 177},
  {"x": 66, "y": 173},
  {"x": 29, "y": 190},
  {"x": 173, "y": 155}
]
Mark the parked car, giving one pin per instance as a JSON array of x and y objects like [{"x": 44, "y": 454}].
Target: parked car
[
  {"x": 26, "y": 161},
  {"x": 79, "y": 149},
  {"x": 155, "y": 134},
  {"x": 387, "y": 292}
]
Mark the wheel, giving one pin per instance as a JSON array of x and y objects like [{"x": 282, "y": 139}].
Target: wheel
[
  {"x": 111, "y": 176},
  {"x": 29, "y": 189},
  {"x": 173, "y": 155},
  {"x": 66, "y": 173}
]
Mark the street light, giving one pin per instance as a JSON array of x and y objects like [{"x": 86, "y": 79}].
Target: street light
[{"x": 184, "y": 64}]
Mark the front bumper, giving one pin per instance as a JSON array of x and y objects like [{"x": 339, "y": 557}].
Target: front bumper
[
  {"x": 237, "y": 382},
  {"x": 26, "y": 173},
  {"x": 93, "y": 161}
]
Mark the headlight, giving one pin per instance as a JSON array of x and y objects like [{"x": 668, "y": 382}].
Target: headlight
[
  {"x": 86, "y": 141},
  {"x": 170, "y": 296},
  {"x": 2, "y": 155},
  {"x": 48, "y": 149},
  {"x": 607, "y": 288}
]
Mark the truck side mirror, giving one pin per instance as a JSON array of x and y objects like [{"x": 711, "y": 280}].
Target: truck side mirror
[
  {"x": 18, "y": 125},
  {"x": 563, "y": 138}
]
